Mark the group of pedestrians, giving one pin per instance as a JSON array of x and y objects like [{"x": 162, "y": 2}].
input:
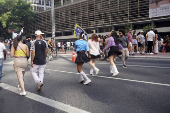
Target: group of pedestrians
[
  {"x": 122, "y": 44},
  {"x": 21, "y": 53},
  {"x": 142, "y": 44}
]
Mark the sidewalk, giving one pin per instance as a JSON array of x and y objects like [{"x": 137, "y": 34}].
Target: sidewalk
[{"x": 137, "y": 55}]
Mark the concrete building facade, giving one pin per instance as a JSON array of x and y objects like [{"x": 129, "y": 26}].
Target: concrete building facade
[{"x": 99, "y": 16}]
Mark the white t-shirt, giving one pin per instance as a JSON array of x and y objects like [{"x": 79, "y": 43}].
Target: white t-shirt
[
  {"x": 68, "y": 43},
  {"x": 2, "y": 47},
  {"x": 94, "y": 47},
  {"x": 150, "y": 35},
  {"x": 59, "y": 44}
]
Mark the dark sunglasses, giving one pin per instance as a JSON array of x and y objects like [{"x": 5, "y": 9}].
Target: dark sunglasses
[{"x": 120, "y": 33}]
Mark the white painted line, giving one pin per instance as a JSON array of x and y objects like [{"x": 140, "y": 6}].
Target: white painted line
[
  {"x": 9, "y": 62},
  {"x": 146, "y": 82},
  {"x": 139, "y": 66},
  {"x": 44, "y": 100}
]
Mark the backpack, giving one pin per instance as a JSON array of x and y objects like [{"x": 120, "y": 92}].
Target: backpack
[
  {"x": 29, "y": 45},
  {"x": 159, "y": 37}
]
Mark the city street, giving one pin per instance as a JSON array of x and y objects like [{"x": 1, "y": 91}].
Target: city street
[{"x": 142, "y": 87}]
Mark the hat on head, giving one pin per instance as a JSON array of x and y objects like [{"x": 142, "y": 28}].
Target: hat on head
[
  {"x": 141, "y": 31},
  {"x": 38, "y": 32}
]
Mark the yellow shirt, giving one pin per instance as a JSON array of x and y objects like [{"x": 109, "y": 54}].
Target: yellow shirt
[{"x": 20, "y": 53}]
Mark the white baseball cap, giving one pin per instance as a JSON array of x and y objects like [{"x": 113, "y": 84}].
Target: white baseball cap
[
  {"x": 38, "y": 32},
  {"x": 141, "y": 31}
]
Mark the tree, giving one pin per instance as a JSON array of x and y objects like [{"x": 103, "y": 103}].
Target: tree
[
  {"x": 127, "y": 27},
  {"x": 14, "y": 14}
]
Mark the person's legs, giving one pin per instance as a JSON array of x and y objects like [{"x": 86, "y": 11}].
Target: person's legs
[
  {"x": 41, "y": 72},
  {"x": 123, "y": 57},
  {"x": 115, "y": 71},
  {"x": 82, "y": 74},
  {"x": 92, "y": 64},
  {"x": 148, "y": 49},
  {"x": 1, "y": 66},
  {"x": 21, "y": 80},
  {"x": 34, "y": 73},
  {"x": 151, "y": 45},
  {"x": 133, "y": 48},
  {"x": 126, "y": 54}
]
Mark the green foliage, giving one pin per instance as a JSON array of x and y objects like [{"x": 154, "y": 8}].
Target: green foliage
[
  {"x": 146, "y": 28},
  {"x": 14, "y": 14},
  {"x": 127, "y": 27}
]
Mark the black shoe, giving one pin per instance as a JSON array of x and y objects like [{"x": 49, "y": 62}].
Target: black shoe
[{"x": 124, "y": 66}]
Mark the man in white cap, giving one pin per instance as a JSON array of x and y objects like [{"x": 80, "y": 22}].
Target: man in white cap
[
  {"x": 38, "y": 58},
  {"x": 142, "y": 41}
]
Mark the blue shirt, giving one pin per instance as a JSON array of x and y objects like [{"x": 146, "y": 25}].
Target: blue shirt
[{"x": 81, "y": 45}]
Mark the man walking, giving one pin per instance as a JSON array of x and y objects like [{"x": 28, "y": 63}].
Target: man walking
[
  {"x": 124, "y": 42},
  {"x": 3, "y": 53},
  {"x": 150, "y": 39},
  {"x": 38, "y": 58}
]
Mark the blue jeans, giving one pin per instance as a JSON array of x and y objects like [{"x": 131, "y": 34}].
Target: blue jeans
[{"x": 1, "y": 66}]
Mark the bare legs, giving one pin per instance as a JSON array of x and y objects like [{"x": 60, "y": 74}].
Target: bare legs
[
  {"x": 113, "y": 66},
  {"x": 20, "y": 76},
  {"x": 133, "y": 48},
  {"x": 82, "y": 74},
  {"x": 92, "y": 64}
]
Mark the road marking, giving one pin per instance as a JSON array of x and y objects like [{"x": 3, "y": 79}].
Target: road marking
[
  {"x": 138, "y": 66},
  {"x": 44, "y": 100},
  {"x": 9, "y": 62},
  {"x": 138, "y": 81}
]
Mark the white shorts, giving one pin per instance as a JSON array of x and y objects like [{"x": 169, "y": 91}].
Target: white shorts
[{"x": 130, "y": 44}]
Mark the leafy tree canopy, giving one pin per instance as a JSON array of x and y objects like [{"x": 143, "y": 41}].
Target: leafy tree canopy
[{"x": 14, "y": 14}]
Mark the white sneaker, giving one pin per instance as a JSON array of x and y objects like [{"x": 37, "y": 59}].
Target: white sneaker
[
  {"x": 23, "y": 93},
  {"x": 116, "y": 73},
  {"x": 151, "y": 53},
  {"x": 97, "y": 71},
  {"x": 87, "y": 82},
  {"x": 91, "y": 71},
  {"x": 81, "y": 80},
  {"x": 138, "y": 52},
  {"x": 19, "y": 89}
]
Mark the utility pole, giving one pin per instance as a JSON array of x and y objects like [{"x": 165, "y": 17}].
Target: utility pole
[
  {"x": 53, "y": 18},
  {"x": 44, "y": 5}
]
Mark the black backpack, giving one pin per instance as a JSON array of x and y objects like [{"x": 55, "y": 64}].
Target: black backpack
[
  {"x": 159, "y": 37},
  {"x": 29, "y": 45}
]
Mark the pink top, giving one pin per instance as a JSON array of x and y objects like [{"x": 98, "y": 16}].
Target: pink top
[
  {"x": 94, "y": 47},
  {"x": 129, "y": 37}
]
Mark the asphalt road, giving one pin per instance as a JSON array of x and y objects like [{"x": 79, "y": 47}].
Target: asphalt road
[{"x": 143, "y": 87}]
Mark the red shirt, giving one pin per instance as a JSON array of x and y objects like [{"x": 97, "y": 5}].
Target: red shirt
[{"x": 129, "y": 37}]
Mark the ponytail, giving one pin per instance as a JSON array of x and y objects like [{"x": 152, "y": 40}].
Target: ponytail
[{"x": 16, "y": 40}]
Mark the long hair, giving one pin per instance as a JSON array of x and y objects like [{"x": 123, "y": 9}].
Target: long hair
[
  {"x": 134, "y": 33},
  {"x": 114, "y": 35},
  {"x": 16, "y": 40},
  {"x": 94, "y": 37}
]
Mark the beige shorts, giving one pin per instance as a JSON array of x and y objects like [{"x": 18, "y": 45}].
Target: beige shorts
[{"x": 20, "y": 64}]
